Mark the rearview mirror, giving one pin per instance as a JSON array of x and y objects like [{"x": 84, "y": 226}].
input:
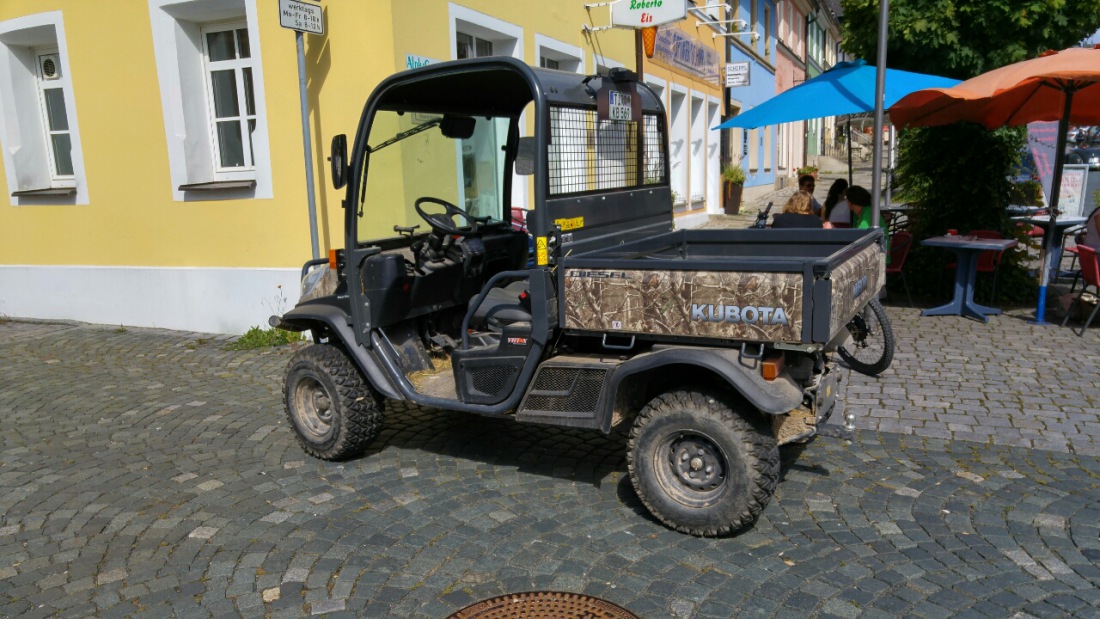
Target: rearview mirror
[
  {"x": 338, "y": 159},
  {"x": 457, "y": 127},
  {"x": 525, "y": 156}
]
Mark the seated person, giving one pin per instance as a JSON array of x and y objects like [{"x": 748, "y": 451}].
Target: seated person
[
  {"x": 859, "y": 203},
  {"x": 806, "y": 183},
  {"x": 797, "y": 213},
  {"x": 835, "y": 210}
]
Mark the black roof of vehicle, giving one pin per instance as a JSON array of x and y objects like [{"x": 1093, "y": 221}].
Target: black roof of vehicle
[{"x": 498, "y": 85}]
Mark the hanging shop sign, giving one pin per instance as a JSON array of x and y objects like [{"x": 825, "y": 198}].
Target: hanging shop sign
[
  {"x": 737, "y": 74},
  {"x": 646, "y": 13},
  {"x": 679, "y": 51}
]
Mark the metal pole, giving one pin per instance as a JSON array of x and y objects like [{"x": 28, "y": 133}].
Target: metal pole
[
  {"x": 849, "y": 150},
  {"x": 307, "y": 143},
  {"x": 891, "y": 157},
  {"x": 880, "y": 93},
  {"x": 1055, "y": 189}
]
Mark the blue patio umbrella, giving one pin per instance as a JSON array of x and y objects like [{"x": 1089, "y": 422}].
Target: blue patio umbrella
[{"x": 847, "y": 88}]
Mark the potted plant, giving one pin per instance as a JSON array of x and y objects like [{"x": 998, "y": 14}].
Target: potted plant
[
  {"x": 733, "y": 182},
  {"x": 810, "y": 169}
]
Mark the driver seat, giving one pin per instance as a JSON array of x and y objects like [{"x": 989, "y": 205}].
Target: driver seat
[{"x": 503, "y": 306}]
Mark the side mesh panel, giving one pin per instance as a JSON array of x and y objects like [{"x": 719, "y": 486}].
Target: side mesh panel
[
  {"x": 586, "y": 154},
  {"x": 491, "y": 380},
  {"x": 566, "y": 390}
]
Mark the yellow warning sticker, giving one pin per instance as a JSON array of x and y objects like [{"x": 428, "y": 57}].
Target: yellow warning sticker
[
  {"x": 573, "y": 223},
  {"x": 542, "y": 257}
]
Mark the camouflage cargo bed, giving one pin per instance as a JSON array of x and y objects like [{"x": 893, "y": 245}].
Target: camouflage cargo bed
[{"x": 792, "y": 286}]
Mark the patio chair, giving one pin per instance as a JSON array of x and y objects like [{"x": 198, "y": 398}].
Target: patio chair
[
  {"x": 1090, "y": 272},
  {"x": 989, "y": 261},
  {"x": 1072, "y": 250},
  {"x": 900, "y": 242}
]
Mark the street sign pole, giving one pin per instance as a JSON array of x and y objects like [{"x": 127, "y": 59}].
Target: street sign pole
[
  {"x": 302, "y": 17},
  {"x": 307, "y": 143}
]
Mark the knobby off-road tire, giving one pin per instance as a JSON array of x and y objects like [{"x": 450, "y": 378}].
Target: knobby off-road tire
[
  {"x": 334, "y": 412},
  {"x": 700, "y": 467},
  {"x": 872, "y": 347}
]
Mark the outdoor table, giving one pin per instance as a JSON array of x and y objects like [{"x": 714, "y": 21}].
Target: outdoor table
[
  {"x": 967, "y": 249},
  {"x": 1022, "y": 210},
  {"x": 1057, "y": 229}
]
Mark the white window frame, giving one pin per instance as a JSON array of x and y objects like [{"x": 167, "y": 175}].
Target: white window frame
[
  {"x": 507, "y": 39},
  {"x": 237, "y": 65},
  {"x": 659, "y": 86},
  {"x": 697, "y": 138},
  {"x": 678, "y": 139},
  {"x": 178, "y": 45},
  {"x": 57, "y": 179},
  {"x": 714, "y": 185},
  {"x": 603, "y": 62},
  {"x": 28, "y": 161},
  {"x": 569, "y": 57}
]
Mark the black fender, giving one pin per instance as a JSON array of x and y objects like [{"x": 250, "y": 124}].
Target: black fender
[
  {"x": 742, "y": 374},
  {"x": 307, "y": 316}
]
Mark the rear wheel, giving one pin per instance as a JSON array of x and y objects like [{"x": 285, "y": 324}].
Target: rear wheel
[
  {"x": 871, "y": 349},
  {"x": 334, "y": 412},
  {"x": 699, "y": 466}
]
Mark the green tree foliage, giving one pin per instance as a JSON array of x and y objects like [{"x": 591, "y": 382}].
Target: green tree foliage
[
  {"x": 957, "y": 176},
  {"x": 968, "y": 197},
  {"x": 963, "y": 38}
]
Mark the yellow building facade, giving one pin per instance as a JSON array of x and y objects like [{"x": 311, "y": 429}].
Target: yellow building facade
[
  {"x": 686, "y": 71},
  {"x": 153, "y": 165}
]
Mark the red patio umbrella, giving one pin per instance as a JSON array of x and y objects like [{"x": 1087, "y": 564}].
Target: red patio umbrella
[{"x": 1060, "y": 86}]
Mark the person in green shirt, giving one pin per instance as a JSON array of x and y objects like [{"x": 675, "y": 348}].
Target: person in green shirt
[{"x": 859, "y": 202}]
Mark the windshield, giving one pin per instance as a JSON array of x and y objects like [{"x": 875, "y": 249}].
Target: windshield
[{"x": 410, "y": 158}]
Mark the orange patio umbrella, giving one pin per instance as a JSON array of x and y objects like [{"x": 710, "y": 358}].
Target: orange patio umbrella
[{"x": 1062, "y": 86}]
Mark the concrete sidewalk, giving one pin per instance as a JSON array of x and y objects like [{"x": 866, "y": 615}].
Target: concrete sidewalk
[{"x": 152, "y": 473}]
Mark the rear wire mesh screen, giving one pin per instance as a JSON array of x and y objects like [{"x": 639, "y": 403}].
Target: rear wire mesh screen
[{"x": 587, "y": 154}]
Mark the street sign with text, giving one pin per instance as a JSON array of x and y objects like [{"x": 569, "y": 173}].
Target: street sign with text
[
  {"x": 737, "y": 74},
  {"x": 301, "y": 16}
]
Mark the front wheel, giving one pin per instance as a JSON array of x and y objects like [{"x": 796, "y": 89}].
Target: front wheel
[
  {"x": 698, "y": 466},
  {"x": 871, "y": 349},
  {"x": 334, "y": 412}
]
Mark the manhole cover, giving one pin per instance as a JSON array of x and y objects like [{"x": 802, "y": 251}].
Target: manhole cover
[{"x": 544, "y": 605}]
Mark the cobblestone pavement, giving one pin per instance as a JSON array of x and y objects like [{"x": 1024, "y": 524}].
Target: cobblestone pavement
[
  {"x": 147, "y": 472},
  {"x": 1006, "y": 382}
]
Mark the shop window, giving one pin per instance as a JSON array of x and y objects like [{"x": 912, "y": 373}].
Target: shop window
[
  {"x": 481, "y": 160},
  {"x": 554, "y": 54}
]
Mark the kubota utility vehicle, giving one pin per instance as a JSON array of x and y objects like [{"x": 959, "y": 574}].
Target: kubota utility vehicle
[{"x": 707, "y": 348}]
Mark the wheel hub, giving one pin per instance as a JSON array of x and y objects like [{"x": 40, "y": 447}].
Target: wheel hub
[
  {"x": 697, "y": 463},
  {"x": 313, "y": 407}
]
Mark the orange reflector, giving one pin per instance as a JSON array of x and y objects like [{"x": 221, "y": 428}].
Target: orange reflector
[
  {"x": 772, "y": 368},
  {"x": 332, "y": 259},
  {"x": 649, "y": 40}
]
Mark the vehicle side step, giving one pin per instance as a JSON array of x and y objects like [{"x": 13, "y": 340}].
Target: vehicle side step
[
  {"x": 438, "y": 386},
  {"x": 568, "y": 391}
]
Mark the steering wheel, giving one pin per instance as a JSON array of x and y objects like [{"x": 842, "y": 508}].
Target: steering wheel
[{"x": 443, "y": 223}]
